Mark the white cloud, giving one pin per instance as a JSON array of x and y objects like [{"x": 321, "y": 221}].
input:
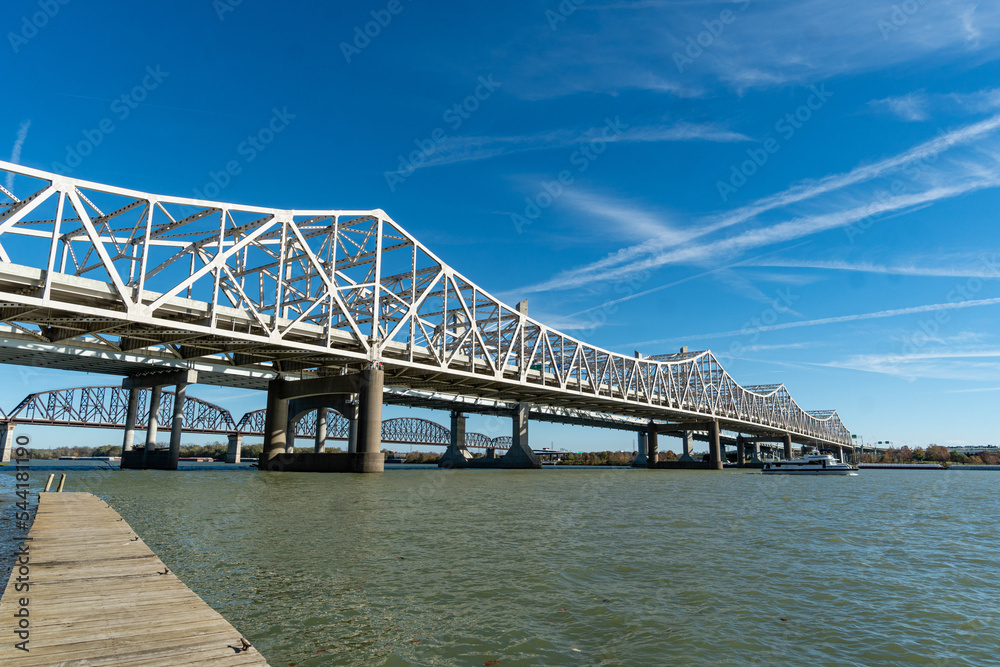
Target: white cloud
[
  {"x": 920, "y": 105},
  {"x": 980, "y": 101},
  {"x": 964, "y": 365},
  {"x": 782, "y": 346},
  {"x": 972, "y": 391},
  {"x": 15, "y": 152},
  {"x": 622, "y": 218},
  {"x": 458, "y": 149},
  {"x": 909, "y": 107},
  {"x": 964, "y": 177},
  {"x": 975, "y": 267},
  {"x": 728, "y": 248},
  {"x": 766, "y": 44},
  {"x": 969, "y": 25},
  {"x": 840, "y": 319}
]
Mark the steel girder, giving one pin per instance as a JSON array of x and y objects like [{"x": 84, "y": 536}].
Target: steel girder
[{"x": 320, "y": 291}]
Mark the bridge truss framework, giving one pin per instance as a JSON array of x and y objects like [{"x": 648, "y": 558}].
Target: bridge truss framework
[{"x": 251, "y": 293}]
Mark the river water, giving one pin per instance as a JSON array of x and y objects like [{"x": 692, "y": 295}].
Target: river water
[{"x": 582, "y": 566}]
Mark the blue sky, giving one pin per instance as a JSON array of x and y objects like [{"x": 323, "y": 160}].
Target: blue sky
[{"x": 807, "y": 188}]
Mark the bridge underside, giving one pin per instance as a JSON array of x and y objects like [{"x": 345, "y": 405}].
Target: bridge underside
[{"x": 404, "y": 386}]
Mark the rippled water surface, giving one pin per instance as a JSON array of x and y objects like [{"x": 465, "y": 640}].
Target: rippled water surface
[{"x": 582, "y": 566}]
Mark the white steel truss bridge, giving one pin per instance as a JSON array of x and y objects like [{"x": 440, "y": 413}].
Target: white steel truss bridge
[
  {"x": 105, "y": 407},
  {"x": 249, "y": 292}
]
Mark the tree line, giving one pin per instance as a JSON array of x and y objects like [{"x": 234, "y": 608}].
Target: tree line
[{"x": 932, "y": 454}]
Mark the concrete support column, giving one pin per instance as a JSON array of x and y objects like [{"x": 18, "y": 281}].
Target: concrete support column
[
  {"x": 641, "y": 459},
  {"x": 740, "y": 453},
  {"x": 755, "y": 452},
  {"x": 128, "y": 441},
  {"x": 714, "y": 446},
  {"x": 652, "y": 453},
  {"x": 457, "y": 430},
  {"x": 6, "y": 441},
  {"x": 152, "y": 423},
  {"x": 687, "y": 446},
  {"x": 352, "y": 428},
  {"x": 275, "y": 424},
  {"x": 788, "y": 445},
  {"x": 320, "y": 445},
  {"x": 370, "y": 411},
  {"x": 457, "y": 455},
  {"x": 235, "y": 451},
  {"x": 520, "y": 454},
  {"x": 519, "y": 430},
  {"x": 293, "y": 422},
  {"x": 177, "y": 424}
]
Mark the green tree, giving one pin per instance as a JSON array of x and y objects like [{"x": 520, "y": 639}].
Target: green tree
[{"x": 938, "y": 454}]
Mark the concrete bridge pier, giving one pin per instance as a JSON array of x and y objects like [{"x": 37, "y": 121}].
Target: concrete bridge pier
[
  {"x": 369, "y": 447},
  {"x": 149, "y": 457},
  {"x": 351, "y": 413},
  {"x": 520, "y": 454},
  {"x": 652, "y": 447},
  {"x": 640, "y": 459},
  {"x": 687, "y": 446},
  {"x": 177, "y": 423},
  {"x": 755, "y": 452},
  {"x": 457, "y": 455},
  {"x": 714, "y": 446},
  {"x": 235, "y": 450},
  {"x": 288, "y": 400},
  {"x": 6, "y": 441},
  {"x": 741, "y": 454},
  {"x": 128, "y": 440},
  {"x": 152, "y": 423},
  {"x": 320, "y": 445},
  {"x": 788, "y": 445}
]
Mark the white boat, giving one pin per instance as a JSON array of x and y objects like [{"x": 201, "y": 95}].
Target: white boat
[
  {"x": 395, "y": 457},
  {"x": 809, "y": 464}
]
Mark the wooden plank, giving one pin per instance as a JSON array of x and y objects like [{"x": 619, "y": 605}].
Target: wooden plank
[{"x": 98, "y": 596}]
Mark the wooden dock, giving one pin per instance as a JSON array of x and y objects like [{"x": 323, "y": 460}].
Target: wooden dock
[{"x": 99, "y": 596}]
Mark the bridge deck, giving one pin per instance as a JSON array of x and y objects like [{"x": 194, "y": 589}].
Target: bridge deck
[{"x": 97, "y": 598}]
